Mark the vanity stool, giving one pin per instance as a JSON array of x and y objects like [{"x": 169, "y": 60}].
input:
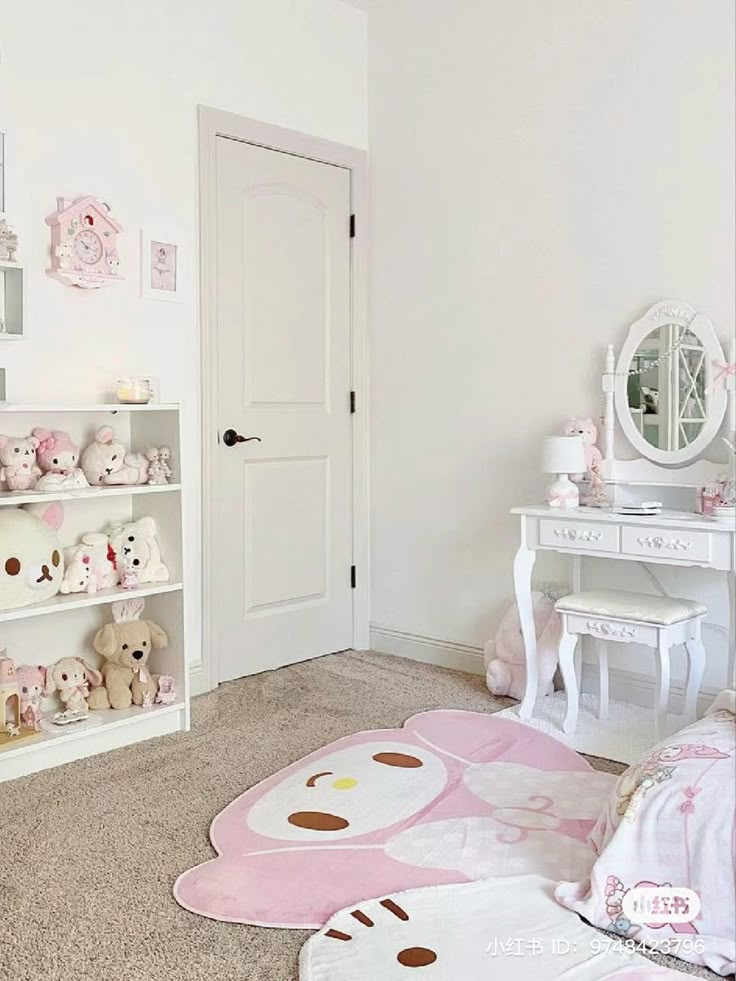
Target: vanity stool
[{"x": 660, "y": 622}]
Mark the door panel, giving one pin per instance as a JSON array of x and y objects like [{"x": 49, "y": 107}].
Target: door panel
[{"x": 282, "y": 527}]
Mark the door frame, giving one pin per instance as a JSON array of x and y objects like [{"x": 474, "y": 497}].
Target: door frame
[{"x": 214, "y": 123}]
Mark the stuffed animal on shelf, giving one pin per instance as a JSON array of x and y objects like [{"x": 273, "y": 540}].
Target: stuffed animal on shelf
[
  {"x": 126, "y": 645},
  {"x": 107, "y": 462},
  {"x": 31, "y": 558},
  {"x": 57, "y": 456},
  {"x": 18, "y": 468},
  {"x": 90, "y": 566},
  {"x": 71, "y": 677},
  {"x": 505, "y": 655},
  {"x": 137, "y": 549},
  {"x": 31, "y": 686},
  {"x": 589, "y": 432},
  {"x": 156, "y": 472}
]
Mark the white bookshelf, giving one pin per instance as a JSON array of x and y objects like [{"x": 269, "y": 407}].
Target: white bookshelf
[{"x": 65, "y": 625}]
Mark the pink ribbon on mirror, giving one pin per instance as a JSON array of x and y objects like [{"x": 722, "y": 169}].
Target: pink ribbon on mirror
[{"x": 728, "y": 368}]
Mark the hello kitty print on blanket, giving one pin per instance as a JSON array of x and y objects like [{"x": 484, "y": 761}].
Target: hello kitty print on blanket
[{"x": 450, "y": 797}]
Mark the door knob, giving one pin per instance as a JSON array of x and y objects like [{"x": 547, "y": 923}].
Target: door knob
[{"x": 230, "y": 438}]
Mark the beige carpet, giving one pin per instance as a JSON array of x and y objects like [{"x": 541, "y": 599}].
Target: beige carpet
[{"x": 89, "y": 852}]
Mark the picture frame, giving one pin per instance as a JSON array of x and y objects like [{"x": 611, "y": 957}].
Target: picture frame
[{"x": 162, "y": 266}]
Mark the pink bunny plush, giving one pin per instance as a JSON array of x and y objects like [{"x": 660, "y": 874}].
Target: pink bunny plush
[
  {"x": 31, "y": 686},
  {"x": 505, "y": 656},
  {"x": 57, "y": 456}
]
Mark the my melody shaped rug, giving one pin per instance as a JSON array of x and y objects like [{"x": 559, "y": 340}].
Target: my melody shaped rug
[
  {"x": 451, "y": 797},
  {"x": 498, "y": 928}
]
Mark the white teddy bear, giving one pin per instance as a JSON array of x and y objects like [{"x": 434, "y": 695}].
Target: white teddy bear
[
  {"x": 106, "y": 461},
  {"x": 137, "y": 550}
]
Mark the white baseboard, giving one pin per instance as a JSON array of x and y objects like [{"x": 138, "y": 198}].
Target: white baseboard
[
  {"x": 625, "y": 686},
  {"x": 447, "y": 654},
  {"x": 197, "y": 678}
]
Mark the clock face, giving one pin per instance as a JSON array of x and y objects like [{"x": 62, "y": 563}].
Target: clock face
[{"x": 88, "y": 247}]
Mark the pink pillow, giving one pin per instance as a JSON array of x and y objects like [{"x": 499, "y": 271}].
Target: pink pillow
[{"x": 671, "y": 821}]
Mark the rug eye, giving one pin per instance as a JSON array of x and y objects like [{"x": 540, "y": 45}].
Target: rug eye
[
  {"x": 402, "y": 760},
  {"x": 416, "y": 957},
  {"x": 12, "y": 566},
  {"x": 55, "y": 559}
]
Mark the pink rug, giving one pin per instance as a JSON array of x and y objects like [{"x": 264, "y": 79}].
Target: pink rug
[{"x": 451, "y": 797}]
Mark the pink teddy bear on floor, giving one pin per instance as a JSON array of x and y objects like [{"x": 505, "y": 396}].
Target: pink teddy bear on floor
[
  {"x": 505, "y": 655},
  {"x": 593, "y": 456}
]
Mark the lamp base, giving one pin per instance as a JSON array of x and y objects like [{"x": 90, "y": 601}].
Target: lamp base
[{"x": 563, "y": 493}]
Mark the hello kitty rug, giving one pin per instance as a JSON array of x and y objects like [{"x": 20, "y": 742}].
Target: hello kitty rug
[
  {"x": 498, "y": 928},
  {"x": 450, "y": 797}
]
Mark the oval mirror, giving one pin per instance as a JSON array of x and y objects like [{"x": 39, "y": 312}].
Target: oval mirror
[{"x": 667, "y": 393}]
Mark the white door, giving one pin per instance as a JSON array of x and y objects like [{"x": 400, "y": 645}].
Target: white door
[{"x": 282, "y": 508}]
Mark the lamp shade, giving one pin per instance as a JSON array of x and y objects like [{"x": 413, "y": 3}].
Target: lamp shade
[{"x": 563, "y": 454}]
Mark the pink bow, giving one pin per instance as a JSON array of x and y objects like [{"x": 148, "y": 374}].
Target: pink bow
[{"x": 728, "y": 368}]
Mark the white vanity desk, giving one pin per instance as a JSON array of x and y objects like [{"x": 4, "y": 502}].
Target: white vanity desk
[
  {"x": 671, "y": 538},
  {"x": 670, "y": 392}
]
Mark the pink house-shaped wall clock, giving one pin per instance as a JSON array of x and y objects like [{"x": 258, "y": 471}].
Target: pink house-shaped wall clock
[{"x": 83, "y": 243}]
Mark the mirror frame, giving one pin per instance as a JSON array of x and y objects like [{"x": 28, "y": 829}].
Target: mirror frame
[{"x": 683, "y": 315}]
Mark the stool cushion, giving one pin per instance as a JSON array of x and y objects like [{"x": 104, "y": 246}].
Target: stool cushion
[{"x": 618, "y": 605}]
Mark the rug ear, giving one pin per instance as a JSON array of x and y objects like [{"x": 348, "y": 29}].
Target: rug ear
[
  {"x": 294, "y": 888},
  {"x": 475, "y": 738}
]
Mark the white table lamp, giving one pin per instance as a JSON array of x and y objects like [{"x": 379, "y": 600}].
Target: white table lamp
[{"x": 563, "y": 455}]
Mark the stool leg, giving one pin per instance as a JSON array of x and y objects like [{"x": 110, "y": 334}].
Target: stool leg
[
  {"x": 602, "y": 650},
  {"x": 568, "y": 643},
  {"x": 696, "y": 667},
  {"x": 663, "y": 685}
]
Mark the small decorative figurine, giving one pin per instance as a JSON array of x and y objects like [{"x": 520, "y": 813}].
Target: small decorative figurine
[
  {"x": 166, "y": 690},
  {"x": 164, "y": 454},
  {"x": 8, "y": 690},
  {"x": 156, "y": 472},
  {"x": 147, "y": 700},
  {"x": 8, "y": 242},
  {"x": 83, "y": 243},
  {"x": 597, "y": 497},
  {"x": 129, "y": 578}
]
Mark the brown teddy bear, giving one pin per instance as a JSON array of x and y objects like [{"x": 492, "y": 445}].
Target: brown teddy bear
[{"x": 126, "y": 645}]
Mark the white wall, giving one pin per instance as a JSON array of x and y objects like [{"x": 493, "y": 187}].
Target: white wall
[
  {"x": 542, "y": 172},
  {"x": 103, "y": 100}
]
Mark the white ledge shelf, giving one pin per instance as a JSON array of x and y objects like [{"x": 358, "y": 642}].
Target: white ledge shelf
[
  {"x": 16, "y": 498},
  {"x": 86, "y": 407},
  {"x": 77, "y": 601}
]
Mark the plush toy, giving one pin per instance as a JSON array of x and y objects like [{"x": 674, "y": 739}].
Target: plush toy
[
  {"x": 137, "y": 550},
  {"x": 126, "y": 645},
  {"x": 72, "y": 677},
  {"x": 90, "y": 566},
  {"x": 18, "y": 468},
  {"x": 106, "y": 461},
  {"x": 31, "y": 558},
  {"x": 505, "y": 657},
  {"x": 593, "y": 456},
  {"x": 156, "y": 472},
  {"x": 31, "y": 686},
  {"x": 57, "y": 456}
]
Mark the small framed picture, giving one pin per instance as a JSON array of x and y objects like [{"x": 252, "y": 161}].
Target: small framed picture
[{"x": 161, "y": 267}]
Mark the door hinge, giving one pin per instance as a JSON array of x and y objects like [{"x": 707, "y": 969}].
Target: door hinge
[
  {"x": 353, "y": 577},
  {"x": 352, "y": 226},
  {"x": 352, "y": 403}
]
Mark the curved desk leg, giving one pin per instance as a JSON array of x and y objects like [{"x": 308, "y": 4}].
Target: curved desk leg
[
  {"x": 523, "y": 565},
  {"x": 731, "y": 680}
]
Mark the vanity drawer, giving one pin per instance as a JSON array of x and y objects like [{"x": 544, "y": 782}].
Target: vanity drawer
[
  {"x": 691, "y": 546},
  {"x": 578, "y": 535}
]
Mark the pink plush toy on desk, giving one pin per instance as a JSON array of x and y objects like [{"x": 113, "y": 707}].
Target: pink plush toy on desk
[
  {"x": 57, "y": 456},
  {"x": 589, "y": 432},
  {"x": 31, "y": 686}
]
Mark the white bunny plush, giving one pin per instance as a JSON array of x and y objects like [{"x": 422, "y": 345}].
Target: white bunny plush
[{"x": 106, "y": 461}]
